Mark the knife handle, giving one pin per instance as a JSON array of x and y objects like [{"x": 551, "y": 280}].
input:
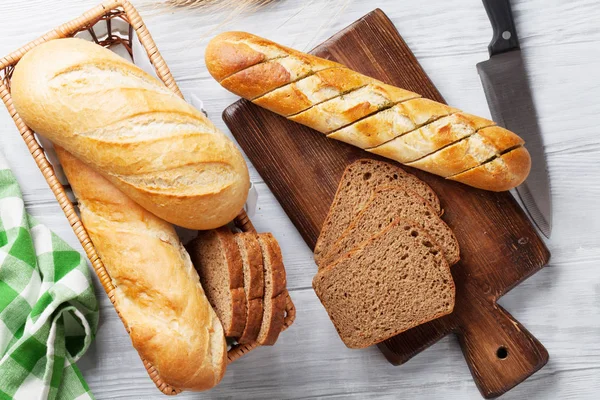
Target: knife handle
[{"x": 505, "y": 34}]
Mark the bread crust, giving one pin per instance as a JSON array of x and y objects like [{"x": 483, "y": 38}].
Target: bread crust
[
  {"x": 253, "y": 284},
  {"x": 469, "y": 152},
  {"x": 270, "y": 333},
  {"x": 275, "y": 296},
  {"x": 234, "y": 325},
  {"x": 138, "y": 251},
  {"x": 367, "y": 113},
  {"x": 127, "y": 125},
  {"x": 502, "y": 173},
  {"x": 253, "y": 321},
  {"x": 389, "y": 124}
]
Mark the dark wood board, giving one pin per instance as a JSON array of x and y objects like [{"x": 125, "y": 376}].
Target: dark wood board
[{"x": 499, "y": 246}]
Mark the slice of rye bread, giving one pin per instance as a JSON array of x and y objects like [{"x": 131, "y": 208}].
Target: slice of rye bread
[
  {"x": 359, "y": 181},
  {"x": 216, "y": 257},
  {"x": 393, "y": 282},
  {"x": 387, "y": 204},
  {"x": 275, "y": 292},
  {"x": 252, "y": 261}
]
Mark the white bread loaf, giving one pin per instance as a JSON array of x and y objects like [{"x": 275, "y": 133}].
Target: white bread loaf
[
  {"x": 160, "y": 151},
  {"x": 356, "y": 109},
  {"x": 157, "y": 290}
]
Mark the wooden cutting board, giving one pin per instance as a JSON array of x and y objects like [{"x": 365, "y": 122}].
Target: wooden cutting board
[{"x": 499, "y": 246}]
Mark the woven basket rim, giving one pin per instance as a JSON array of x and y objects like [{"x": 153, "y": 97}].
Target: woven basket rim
[{"x": 88, "y": 19}]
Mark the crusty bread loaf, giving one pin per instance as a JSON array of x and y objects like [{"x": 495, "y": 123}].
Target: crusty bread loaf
[
  {"x": 395, "y": 281},
  {"x": 367, "y": 113},
  {"x": 387, "y": 204},
  {"x": 357, "y": 185},
  {"x": 160, "y": 151},
  {"x": 274, "y": 290},
  {"x": 254, "y": 282},
  {"x": 217, "y": 259},
  {"x": 155, "y": 283}
]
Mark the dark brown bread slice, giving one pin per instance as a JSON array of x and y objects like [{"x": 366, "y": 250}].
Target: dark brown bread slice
[
  {"x": 395, "y": 281},
  {"x": 217, "y": 259},
  {"x": 356, "y": 187},
  {"x": 252, "y": 261},
  {"x": 274, "y": 297},
  {"x": 387, "y": 204}
]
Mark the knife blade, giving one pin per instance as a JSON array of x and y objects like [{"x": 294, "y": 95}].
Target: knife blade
[{"x": 508, "y": 94}]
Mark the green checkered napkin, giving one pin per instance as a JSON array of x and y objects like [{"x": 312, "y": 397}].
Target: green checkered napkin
[{"x": 48, "y": 311}]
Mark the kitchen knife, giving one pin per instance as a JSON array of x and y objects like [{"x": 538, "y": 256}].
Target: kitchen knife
[{"x": 509, "y": 97}]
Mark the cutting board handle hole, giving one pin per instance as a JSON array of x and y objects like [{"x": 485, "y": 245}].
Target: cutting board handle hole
[{"x": 502, "y": 353}]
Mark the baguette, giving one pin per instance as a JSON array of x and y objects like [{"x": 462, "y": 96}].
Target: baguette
[
  {"x": 157, "y": 291},
  {"x": 160, "y": 151},
  {"x": 354, "y": 108}
]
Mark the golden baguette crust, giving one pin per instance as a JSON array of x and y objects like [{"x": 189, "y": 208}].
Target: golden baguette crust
[
  {"x": 470, "y": 152},
  {"x": 164, "y": 154},
  {"x": 431, "y": 137},
  {"x": 357, "y": 109},
  {"x": 317, "y": 88},
  {"x": 502, "y": 173},
  {"x": 155, "y": 283},
  {"x": 259, "y": 79},
  {"x": 340, "y": 111},
  {"x": 391, "y": 123}
]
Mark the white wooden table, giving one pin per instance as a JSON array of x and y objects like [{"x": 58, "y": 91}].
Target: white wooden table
[{"x": 560, "y": 305}]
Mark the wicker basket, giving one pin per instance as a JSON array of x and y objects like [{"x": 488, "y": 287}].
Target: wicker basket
[{"x": 105, "y": 13}]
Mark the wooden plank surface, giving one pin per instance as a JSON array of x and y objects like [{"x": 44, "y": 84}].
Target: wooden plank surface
[
  {"x": 303, "y": 168},
  {"x": 560, "y": 305}
]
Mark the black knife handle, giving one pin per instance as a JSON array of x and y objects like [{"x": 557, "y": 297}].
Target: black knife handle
[{"x": 505, "y": 34}]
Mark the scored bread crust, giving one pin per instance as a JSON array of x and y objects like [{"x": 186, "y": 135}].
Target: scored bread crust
[
  {"x": 381, "y": 173},
  {"x": 356, "y": 109},
  {"x": 504, "y": 171},
  {"x": 322, "y": 288},
  {"x": 421, "y": 213},
  {"x": 156, "y": 148},
  {"x": 237, "y": 307},
  {"x": 253, "y": 284},
  {"x": 275, "y": 290},
  {"x": 155, "y": 283},
  {"x": 470, "y": 152}
]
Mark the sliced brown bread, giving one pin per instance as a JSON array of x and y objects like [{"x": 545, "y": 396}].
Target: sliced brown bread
[
  {"x": 387, "y": 204},
  {"x": 217, "y": 259},
  {"x": 274, "y": 297},
  {"x": 359, "y": 181},
  {"x": 252, "y": 261},
  {"x": 395, "y": 281}
]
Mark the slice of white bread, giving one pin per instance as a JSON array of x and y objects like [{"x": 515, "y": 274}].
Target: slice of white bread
[
  {"x": 274, "y": 290},
  {"x": 252, "y": 261},
  {"x": 387, "y": 204},
  {"x": 395, "y": 281},
  {"x": 216, "y": 257},
  {"x": 359, "y": 181}
]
